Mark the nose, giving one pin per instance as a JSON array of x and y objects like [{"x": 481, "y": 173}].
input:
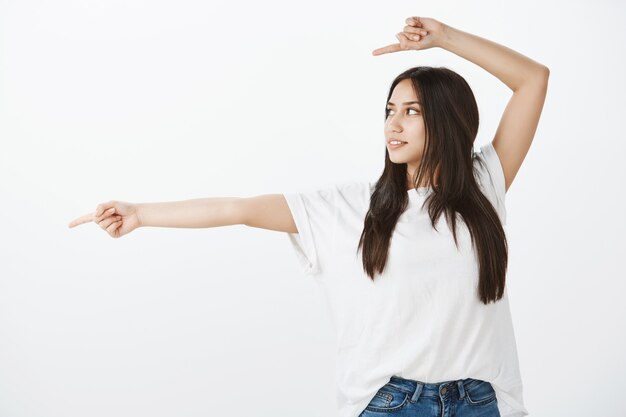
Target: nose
[
  {"x": 393, "y": 123},
  {"x": 394, "y": 126}
]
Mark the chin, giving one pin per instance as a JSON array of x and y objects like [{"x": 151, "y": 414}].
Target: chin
[{"x": 398, "y": 160}]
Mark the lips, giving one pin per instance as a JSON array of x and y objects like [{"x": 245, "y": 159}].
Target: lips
[
  {"x": 393, "y": 140},
  {"x": 395, "y": 146}
]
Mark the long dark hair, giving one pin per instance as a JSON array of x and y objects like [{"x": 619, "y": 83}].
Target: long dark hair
[{"x": 450, "y": 116}]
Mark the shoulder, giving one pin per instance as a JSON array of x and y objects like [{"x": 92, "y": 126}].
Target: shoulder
[
  {"x": 354, "y": 190},
  {"x": 354, "y": 187},
  {"x": 334, "y": 195},
  {"x": 487, "y": 166},
  {"x": 490, "y": 176}
]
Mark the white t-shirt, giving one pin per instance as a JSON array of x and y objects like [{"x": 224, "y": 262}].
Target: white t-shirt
[{"x": 421, "y": 318}]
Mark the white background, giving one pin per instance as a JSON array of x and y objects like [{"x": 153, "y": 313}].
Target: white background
[{"x": 146, "y": 101}]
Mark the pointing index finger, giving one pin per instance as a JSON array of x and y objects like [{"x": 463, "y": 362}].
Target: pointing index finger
[
  {"x": 80, "y": 220},
  {"x": 394, "y": 47}
]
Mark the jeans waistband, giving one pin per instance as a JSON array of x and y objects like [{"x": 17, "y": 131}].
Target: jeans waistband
[{"x": 439, "y": 389}]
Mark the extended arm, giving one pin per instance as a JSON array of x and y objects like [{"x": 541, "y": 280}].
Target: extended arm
[
  {"x": 119, "y": 218},
  {"x": 268, "y": 211},
  {"x": 196, "y": 213}
]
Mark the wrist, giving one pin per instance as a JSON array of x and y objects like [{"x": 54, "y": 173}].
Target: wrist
[
  {"x": 448, "y": 35},
  {"x": 140, "y": 215}
]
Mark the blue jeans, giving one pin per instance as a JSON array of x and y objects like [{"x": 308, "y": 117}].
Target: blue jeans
[{"x": 409, "y": 398}]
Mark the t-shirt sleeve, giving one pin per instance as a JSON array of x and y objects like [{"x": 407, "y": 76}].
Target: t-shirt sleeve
[
  {"x": 490, "y": 176},
  {"x": 314, "y": 214}
]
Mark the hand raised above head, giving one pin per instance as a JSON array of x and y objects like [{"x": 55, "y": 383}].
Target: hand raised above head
[{"x": 418, "y": 34}]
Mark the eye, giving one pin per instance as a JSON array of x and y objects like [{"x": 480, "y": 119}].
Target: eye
[{"x": 387, "y": 110}]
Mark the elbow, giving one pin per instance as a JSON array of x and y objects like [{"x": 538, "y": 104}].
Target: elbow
[
  {"x": 539, "y": 77},
  {"x": 543, "y": 73}
]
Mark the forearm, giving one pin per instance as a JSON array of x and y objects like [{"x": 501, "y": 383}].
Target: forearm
[
  {"x": 509, "y": 66},
  {"x": 196, "y": 213}
]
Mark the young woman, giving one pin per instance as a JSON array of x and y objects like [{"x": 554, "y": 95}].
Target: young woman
[{"x": 414, "y": 264}]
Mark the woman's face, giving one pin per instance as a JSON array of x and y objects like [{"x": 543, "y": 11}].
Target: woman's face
[{"x": 405, "y": 123}]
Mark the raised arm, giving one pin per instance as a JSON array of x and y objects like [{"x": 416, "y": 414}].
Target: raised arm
[{"x": 527, "y": 79}]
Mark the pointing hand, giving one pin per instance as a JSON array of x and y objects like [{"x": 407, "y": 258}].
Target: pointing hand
[
  {"x": 117, "y": 218},
  {"x": 419, "y": 33}
]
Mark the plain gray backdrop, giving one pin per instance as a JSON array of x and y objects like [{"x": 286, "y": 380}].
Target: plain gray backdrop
[{"x": 147, "y": 101}]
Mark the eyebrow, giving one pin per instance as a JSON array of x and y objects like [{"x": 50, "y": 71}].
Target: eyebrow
[{"x": 407, "y": 102}]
